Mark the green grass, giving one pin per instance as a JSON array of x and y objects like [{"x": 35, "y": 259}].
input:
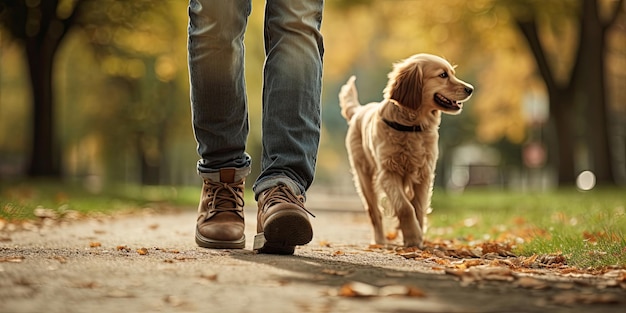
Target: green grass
[
  {"x": 588, "y": 228},
  {"x": 18, "y": 201}
]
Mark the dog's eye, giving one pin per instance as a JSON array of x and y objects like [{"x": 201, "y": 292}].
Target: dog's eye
[{"x": 443, "y": 75}]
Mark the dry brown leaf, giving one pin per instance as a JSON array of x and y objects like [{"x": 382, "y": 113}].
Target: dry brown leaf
[
  {"x": 142, "y": 251},
  {"x": 123, "y": 248},
  {"x": 59, "y": 258},
  {"x": 527, "y": 262},
  {"x": 358, "y": 289},
  {"x": 12, "y": 259},
  {"x": 470, "y": 263},
  {"x": 324, "y": 243},
  {"x": 95, "y": 244},
  {"x": 401, "y": 290},
  {"x": 411, "y": 255},
  {"x": 338, "y": 252},
  {"x": 391, "y": 235},
  {"x": 551, "y": 259}
]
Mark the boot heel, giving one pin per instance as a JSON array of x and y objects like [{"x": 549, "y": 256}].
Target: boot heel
[{"x": 262, "y": 246}]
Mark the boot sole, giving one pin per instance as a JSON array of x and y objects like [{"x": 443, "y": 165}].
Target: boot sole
[
  {"x": 219, "y": 244},
  {"x": 282, "y": 232}
]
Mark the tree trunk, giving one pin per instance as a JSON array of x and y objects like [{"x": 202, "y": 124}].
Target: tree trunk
[
  {"x": 589, "y": 84},
  {"x": 45, "y": 156},
  {"x": 563, "y": 119}
]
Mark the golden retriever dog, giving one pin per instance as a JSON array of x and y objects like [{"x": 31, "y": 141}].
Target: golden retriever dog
[{"x": 392, "y": 145}]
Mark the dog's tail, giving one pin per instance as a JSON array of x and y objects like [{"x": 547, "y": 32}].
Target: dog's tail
[{"x": 349, "y": 99}]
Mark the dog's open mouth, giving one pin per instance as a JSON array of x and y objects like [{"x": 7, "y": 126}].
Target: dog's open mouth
[{"x": 447, "y": 103}]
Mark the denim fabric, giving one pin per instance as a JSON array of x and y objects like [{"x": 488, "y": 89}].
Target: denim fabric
[{"x": 292, "y": 79}]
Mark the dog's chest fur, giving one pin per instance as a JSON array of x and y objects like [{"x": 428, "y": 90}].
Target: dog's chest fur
[{"x": 412, "y": 155}]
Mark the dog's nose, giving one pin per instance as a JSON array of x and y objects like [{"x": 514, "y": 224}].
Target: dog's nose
[{"x": 469, "y": 90}]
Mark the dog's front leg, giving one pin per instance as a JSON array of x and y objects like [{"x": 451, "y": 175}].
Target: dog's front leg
[
  {"x": 411, "y": 230},
  {"x": 421, "y": 202},
  {"x": 365, "y": 187}
]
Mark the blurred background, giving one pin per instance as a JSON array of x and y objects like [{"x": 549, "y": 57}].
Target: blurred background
[{"x": 97, "y": 91}]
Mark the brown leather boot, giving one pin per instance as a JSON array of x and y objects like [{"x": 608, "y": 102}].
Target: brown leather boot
[
  {"x": 220, "y": 222},
  {"x": 282, "y": 222}
]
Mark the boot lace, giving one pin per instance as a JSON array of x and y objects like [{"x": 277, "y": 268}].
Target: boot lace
[
  {"x": 281, "y": 194},
  {"x": 224, "y": 197}
]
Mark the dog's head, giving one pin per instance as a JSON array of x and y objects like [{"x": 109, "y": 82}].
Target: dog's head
[{"x": 425, "y": 81}]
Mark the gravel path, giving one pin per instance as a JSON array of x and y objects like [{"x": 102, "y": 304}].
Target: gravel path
[{"x": 150, "y": 263}]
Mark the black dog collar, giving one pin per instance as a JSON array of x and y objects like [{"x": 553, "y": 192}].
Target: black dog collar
[{"x": 403, "y": 128}]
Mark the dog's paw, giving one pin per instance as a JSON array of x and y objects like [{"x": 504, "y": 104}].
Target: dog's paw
[{"x": 414, "y": 244}]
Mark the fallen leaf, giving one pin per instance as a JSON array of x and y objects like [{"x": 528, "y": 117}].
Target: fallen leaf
[
  {"x": 358, "y": 289},
  {"x": 338, "y": 252},
  {"x": 123, "y": 248},
  {"x": 324, "y": 243},
  {"x": 469, "y": 263},
  {"x": 12, "y": 259},
  {"x": 375, "y": 246},
  {"x": 142, "y": 251},
  {"x": 400, "y": 290},
  {"x": 95, "y": 244},
  {"x": 551, "y": 259},
  {"x": 411, "y": 255},
  {"x": 391, "y": 235},
  {"x": 59, "y": 258}
]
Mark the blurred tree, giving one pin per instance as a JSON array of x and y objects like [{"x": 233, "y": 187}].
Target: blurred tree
[
  {"x": 127, "y": 44},
  {"x": 41, "y": 26},
  {"x": 137, "y": 44},
  {"x": 584, "y": 89}
]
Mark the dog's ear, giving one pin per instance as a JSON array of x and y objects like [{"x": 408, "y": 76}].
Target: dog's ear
[{"x": 405, "y": 84}]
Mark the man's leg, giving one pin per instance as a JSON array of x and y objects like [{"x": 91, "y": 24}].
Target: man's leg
[
  {"x": 220, "y": 117},
  {"x": 291, "y": 122}
]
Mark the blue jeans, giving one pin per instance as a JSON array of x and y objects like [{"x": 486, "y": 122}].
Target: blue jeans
[{"x": 292, "y": 80}]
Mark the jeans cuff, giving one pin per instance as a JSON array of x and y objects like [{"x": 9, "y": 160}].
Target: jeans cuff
[
  {"x": 273, "y": 181},
  {"x": 240, "y": 173}
]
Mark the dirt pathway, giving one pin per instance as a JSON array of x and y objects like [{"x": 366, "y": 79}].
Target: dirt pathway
[{"x": 150, "y": 263}]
